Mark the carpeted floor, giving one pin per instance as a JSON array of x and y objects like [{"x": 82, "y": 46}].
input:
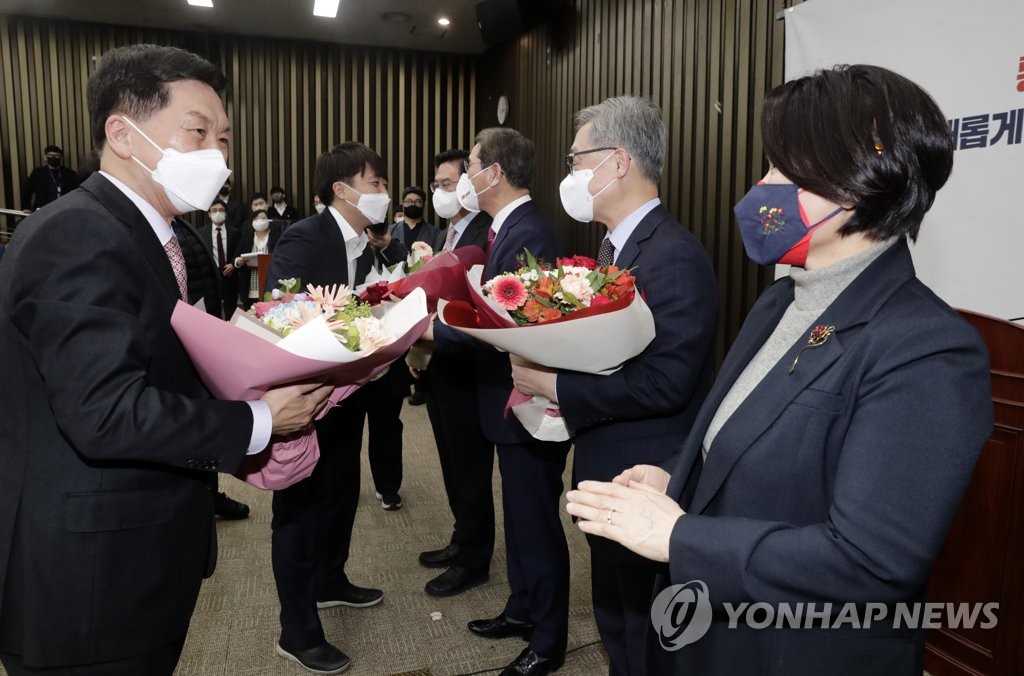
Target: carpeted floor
[{"x": 235, "y": 624}]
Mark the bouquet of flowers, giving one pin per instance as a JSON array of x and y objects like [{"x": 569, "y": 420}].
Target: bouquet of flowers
[
  {"x": 551, "y": 316},
  {"x": 440, "y": 276},
  {"x": 321, "y": 334}
]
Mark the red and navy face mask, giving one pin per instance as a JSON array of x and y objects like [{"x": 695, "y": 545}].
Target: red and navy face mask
[{"x": 773, "y": 225}]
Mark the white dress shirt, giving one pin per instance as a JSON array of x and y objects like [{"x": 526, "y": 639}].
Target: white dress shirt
[
  {"x": 499, "y": 218},
  {"x": 354, "y": 244}
]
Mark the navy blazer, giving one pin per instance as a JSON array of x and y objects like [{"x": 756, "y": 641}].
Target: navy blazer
[
  {"x": 835, "y": 482},
  {"x": 109, "y": 446},
  {"x": 642, "y": 413},
  {"x": 313, "y": 250},
  {"x": 525, "y": 228},
  {"x": 475, "y": 233}
]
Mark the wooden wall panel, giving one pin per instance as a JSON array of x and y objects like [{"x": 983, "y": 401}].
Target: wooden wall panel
[
  {"x": 707, "y": 63},
  {"x": 288, "y": 102}
]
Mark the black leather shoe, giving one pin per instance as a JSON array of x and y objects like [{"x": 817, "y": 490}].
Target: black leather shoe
[
  {"x": 530, "y": 663},
  {"x": 440, "y": 558},
  {"x": 353, "y": 597},
  {"x": 456, "y": 580},
  {"x": 226, "y": 508},
  {"x": 501, "y": 627},
  {"x": 323, "y": 659},
  {"x": 417, "y": 398}
]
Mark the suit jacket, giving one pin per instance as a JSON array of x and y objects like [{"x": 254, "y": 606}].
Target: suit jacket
[
  {"x": 475, "y": 233},
  {"x": 424, "y": 232},
  {"x": 105, "y": 513},
  {"x": 643, "y": 412},
  {"x": 836, "y": 482},
  {"x": 41, "y": 186},
  {"x": 228, "y": 285},
  {"x": 236, "y": 215},
  {"x": 313, "y": 250},
  {"x": 525, "y": 228},
  {"x": 204, "y": 279},
  {"x": 290, "y": 213}
]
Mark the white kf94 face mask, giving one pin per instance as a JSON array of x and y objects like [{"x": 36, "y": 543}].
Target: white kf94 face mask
[
  {"x": 467, "y": 195},
  {"x": 373, "y": 205},
  {"x": 191, "y": 180},
  {"x": 446, "y": 204},
  {"x": 575, "y": 192}
]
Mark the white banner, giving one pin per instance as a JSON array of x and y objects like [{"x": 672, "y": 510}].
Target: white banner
[{"x": 970, "y": 57}]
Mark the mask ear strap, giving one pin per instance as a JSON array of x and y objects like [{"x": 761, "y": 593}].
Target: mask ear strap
[{"x": 829, "y": 217}]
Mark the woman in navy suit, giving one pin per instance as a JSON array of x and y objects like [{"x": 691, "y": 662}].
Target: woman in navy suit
[{"x": 831, "y": 454}]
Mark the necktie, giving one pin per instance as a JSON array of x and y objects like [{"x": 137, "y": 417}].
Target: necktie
[
  {"x": 606, "y": 255},
  {"x": 490, "y": 239},
  {"x": 220, "y": 247},
  {"x": 449, "y": 239},
  {"x": 174, "y": 255}
]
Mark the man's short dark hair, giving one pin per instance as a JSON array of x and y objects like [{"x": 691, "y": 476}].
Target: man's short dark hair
[
  {"x": 510, "y": 150},
  {"x": 52, "y": 149},
  {"x": 453, "y": 155},
  {"x": 864, "y": 136},
  {"x": 343, "y": 163},
  {"x": 133, "y": 80},
  {"x": 276, "y": 188},
  {"x": 257, "y": 196},
  {"x": 217, "y": 201},
  {"x": 414, "y": 190}
]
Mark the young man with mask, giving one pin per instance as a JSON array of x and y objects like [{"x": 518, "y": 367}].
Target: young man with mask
[
  {"x": 221, "y": 241},
  {"x": 48, "y": 182},
  {"x": 279, "y": 208},
  {"x": 105, "y": 507},
  {"x": 449, "y": 385},
  {"x": 499, "y": 170},
  {"x": 413, "y": 228},
  {"x": 643, "y": 411},
  {"x": 234, "y": 208},
  {"x": 312, "y": 523}
]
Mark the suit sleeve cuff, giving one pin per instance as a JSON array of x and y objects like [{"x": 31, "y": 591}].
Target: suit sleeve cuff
[{"x": 262, "y": 425}]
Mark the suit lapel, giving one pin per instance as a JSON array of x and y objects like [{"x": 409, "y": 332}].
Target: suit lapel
[
  {"x": 336, "y": 242},
  {"x": 644, "y": 229},
  {"x": 499, "y": 239},
  {"x": 141, "y": 232},
  {"x": 856, "y": 305}
]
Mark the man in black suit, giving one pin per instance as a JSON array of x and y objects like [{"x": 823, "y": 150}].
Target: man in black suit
[
  {"x": 498, "y": 174},
  {"x": 221, "y": 240},
  {"x": 312, "y": 524},
  {"x": 48, "y": 182},
  {"x": 449, "y": 384},
  {"x": 236, "y": 215},
  {"x": 615, "y": 166},
  {"x": 280, "y": 210},
  {"x": 105, "y": 511}
]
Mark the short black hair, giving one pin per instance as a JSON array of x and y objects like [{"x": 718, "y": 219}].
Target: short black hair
[
  {"x": 512, "y": 151},
  {"x": 257, "y": 196},
  {"x": 276, "y": 188},
  {"x": 344, "y": 162},
  {"x": 864, "y": 136},
  {"x": 52, "y": 149},
  {"x": 133, "y": 80},
  {"x": 217, "y": 201},
  {"x": 258, "y": 212},
  {"x": 414, "y": 190},
  {"x": 453, "y": 155}
]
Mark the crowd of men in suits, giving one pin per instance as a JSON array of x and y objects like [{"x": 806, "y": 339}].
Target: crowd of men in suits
[{"x": 139, "y": 489}]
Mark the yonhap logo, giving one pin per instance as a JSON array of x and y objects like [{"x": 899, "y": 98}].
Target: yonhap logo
[{"x": 681, "y": 614}]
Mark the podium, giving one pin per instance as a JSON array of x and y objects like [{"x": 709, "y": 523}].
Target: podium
[
  {"x": 262, "y": 266},
  {"x": 982, "y": 560}
]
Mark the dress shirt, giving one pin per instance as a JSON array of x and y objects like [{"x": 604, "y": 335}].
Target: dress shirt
[
  {"x": 354, "y": 244},
  {"x": 499, "y": 218},
  {"x": 460, "y": 227},
  {"x": 262, "y": 421},
  {"x": 620, "y": 235}
]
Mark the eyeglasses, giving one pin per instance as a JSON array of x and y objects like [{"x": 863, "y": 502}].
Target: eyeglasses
[
  {"x": 570, "y": 158},
  {"x": 467, "y": 164},
  {"x": 445, "y": 185}
]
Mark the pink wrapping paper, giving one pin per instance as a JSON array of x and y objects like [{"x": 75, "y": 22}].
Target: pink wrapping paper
[{"x": 239, "y": 366}]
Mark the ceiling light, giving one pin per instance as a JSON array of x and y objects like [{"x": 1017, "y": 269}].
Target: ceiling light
[
  {"x": 201, "y": 3},
  {"x": 327, "y": 8},
  {"x": 443, "y": 21}
]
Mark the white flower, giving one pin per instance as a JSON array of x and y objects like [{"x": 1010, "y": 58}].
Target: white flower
[
  {"x": 418, "y": 251},
  {"x": 373, "y": 334},
  {"x": 578, "y": 286}
]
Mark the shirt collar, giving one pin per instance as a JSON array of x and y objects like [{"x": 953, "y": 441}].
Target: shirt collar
[
  {"x": 161, "y": 227},
  {"x": 461, "y": 226},
  {"x": 620, "y": 235},
  {"x": 499, "y": 218},
  {"x": 354, "y": 243}
]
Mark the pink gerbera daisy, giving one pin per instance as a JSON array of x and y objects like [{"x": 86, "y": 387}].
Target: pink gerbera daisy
[{"x": 509, "y": 292}]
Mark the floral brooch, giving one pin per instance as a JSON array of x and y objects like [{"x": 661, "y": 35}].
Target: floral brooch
[{"x": 819, "y": 334}]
